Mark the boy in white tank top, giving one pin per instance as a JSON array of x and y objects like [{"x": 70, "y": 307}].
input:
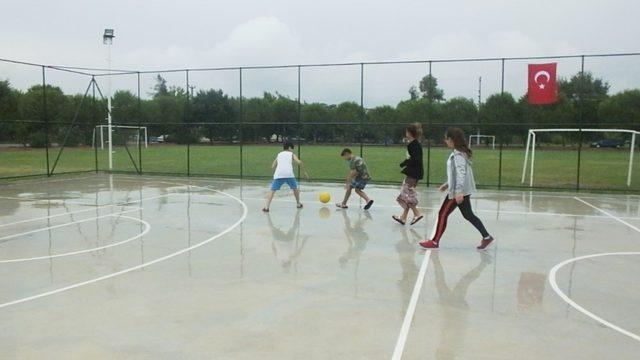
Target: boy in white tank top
[{"x": 283, "y": 174}]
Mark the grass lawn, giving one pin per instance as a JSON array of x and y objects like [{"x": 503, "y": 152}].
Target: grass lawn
[{"x": 600, "y": 168}]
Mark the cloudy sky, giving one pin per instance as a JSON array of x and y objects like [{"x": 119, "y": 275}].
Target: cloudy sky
[{"x": 154, "y": 35}]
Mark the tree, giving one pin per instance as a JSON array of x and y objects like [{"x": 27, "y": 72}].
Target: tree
[
  {"x": 461, "y": 112},
  {"x": 378, "y": 129},
  {"x": 9, "y": 98},
  {"x": 160, "y": 88},
  {"x": 500, "y": 116},
  {"x": 558, "y": 115},
  {"x": 587, "y": 91},
  {"x": 214, "y": 107},
  {"x": 621, "y": 110},
  {"x": 30, "y": 108},
  {"x": 429, "y": 89}
]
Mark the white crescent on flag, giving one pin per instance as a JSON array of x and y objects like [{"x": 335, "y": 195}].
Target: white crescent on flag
[{"x": 541, "y": 73}]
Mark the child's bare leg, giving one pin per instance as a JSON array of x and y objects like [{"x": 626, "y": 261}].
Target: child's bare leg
[
  {"x": 347, "y": 194},
  {"x": 362, "y": 195},
  {"x": 270, "y": 195},
  {"x": 404, "y": 215},
  {"x": 416, "y": 211},
  {"x": 296, "y": 194}
]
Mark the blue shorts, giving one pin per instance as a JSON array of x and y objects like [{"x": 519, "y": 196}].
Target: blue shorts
[
  {"x": 276, "y": 184},
  {"x": 359, "y": 183}
]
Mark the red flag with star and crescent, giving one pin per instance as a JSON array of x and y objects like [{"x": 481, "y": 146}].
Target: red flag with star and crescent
[{"x": 543, "y": 88}]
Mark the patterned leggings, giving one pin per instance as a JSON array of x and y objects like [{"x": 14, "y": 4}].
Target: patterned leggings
[{"x": 448, "y": 205}]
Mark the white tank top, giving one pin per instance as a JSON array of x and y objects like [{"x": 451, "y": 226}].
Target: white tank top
[{"x": 284, "y": 167}]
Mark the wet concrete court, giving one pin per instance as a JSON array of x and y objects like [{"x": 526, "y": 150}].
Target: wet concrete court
[{"x": 100, "y": 266}]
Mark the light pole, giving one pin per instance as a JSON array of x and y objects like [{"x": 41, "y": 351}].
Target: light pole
[{"x": 107, "y": 39}]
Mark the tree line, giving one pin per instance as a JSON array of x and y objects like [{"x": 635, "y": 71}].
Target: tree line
[{"x": 212, "y": 116}]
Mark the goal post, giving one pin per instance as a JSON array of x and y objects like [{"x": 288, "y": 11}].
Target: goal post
[
  {"x": 478, "y": 137},
  {"x": 530, "y": 150},
  {"x": 102, "y": 128}
]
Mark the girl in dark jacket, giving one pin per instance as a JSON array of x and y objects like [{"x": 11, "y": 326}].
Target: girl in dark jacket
[{"x": 413, "y": 171}]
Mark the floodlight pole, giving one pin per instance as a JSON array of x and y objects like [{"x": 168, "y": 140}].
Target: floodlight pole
[{"x": 109, "y": 120}]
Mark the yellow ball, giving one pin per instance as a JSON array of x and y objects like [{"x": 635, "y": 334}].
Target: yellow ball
[{"x": 324, "y": 197}]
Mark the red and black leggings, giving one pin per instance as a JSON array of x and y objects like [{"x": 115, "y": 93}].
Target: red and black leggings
[{"x": 465, "y": 208}]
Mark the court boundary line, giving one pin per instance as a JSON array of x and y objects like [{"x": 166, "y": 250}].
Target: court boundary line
[
  {"x": 58, "y": 215},
  {"x": 245, "y": 212},
  {"x": 576, "y": 306},
  {"x": 618, "y": 219},
  {"x": 12, "y": 236},
  {"x": 403, "y": 335},
  {"x": 508, "y": 212},
  {"x": 147, "y": 228},
  {"x": 411, "y": 309}
]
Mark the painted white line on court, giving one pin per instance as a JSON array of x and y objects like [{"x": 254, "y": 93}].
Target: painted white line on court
[
  {"x": 46, "y": 180},
  {"x": 411, "y": 309},
  {"x": 57, "y": 215},
  {"x": 245, "y": 211},
  {"x": 413, "y": 302},
  {"x": 147, "y": 228},
  {"x": 556, "y": 288},
  {"x": 477, "y": 210},
  {"x": 608, "y": 214},
  {"x": 65, "y": 224}
]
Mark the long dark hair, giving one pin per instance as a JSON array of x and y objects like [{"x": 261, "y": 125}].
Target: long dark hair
[{"x": 459, "y": 140}]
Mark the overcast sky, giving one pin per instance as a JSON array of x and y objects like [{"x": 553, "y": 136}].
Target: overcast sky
[{"x": 179, "y": 34}]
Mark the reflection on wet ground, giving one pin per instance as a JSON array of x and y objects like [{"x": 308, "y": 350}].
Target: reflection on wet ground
[{"x": 318, "y": 282}]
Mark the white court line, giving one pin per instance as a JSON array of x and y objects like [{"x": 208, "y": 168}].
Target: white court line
[
  {"x": 556, "y": 288},
  {"x": 608, "y": 214},
  {"x": 147, "y": 228},
  {"x": 65, "y": 224},
  {"x": 476, "y": 209},
  {"x": 245, "y": 211},
  {"x": 411, "y": 309},
  {"x": 413, "y": 302},
  {"x": 57, "y": 215},
  {"x": 46, "y": 180}
]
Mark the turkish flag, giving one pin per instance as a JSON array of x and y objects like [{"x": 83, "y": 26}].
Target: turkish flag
[{"x": 543, "y": 88}]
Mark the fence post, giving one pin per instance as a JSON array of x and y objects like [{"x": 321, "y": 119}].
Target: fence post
[
  {"x": 362, "y": 113},
  {"x": 185, "y": 120},
  {"x": 501, "y": 140},
  {"x": 580, "y": 119},
  {"x": 146, "y": 134},
  {"x": 46, "y": 119},
  {"x": 429, "y": 141},
  {"x": 241, "y": 124},
  {"x": 299, "y": 120},
  {"x": 93, "y": 115}
]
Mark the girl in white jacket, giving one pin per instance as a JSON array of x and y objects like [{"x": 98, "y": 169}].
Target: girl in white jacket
[{"x": 460, "y": 186}]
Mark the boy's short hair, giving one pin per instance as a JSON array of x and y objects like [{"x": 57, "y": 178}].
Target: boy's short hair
[
  {"x": 345, "y": 151},
  {"x": 287, "y": 145}
]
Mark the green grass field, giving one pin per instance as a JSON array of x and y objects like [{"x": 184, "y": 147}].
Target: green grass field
[{"x": 600, "y": 168}]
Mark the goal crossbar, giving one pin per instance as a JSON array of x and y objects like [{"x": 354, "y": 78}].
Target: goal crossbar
[
  {"x": 102, "y": 127},
  {"x": 478, "y": 137},
  {"x": 531, "y": 148}
]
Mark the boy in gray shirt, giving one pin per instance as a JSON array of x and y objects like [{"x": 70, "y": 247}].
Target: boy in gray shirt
[{"x": 357, "y": 179}]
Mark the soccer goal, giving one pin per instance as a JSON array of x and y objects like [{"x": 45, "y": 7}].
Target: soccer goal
[
  {"x": 478, "y": 138},
  {"x": 531, "y": 148},
  {"x": 135, "y": 136}
]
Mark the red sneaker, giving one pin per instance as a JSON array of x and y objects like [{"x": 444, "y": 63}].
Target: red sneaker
[
  {"x": 429, "y": 244},
  {"x": 484, "y": 243}
]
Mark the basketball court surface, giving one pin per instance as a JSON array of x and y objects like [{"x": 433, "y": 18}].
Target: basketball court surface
[{"x": 150, "y": 267}]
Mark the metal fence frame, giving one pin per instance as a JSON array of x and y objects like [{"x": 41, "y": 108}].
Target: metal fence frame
[{"x": 93, "y": 73}]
